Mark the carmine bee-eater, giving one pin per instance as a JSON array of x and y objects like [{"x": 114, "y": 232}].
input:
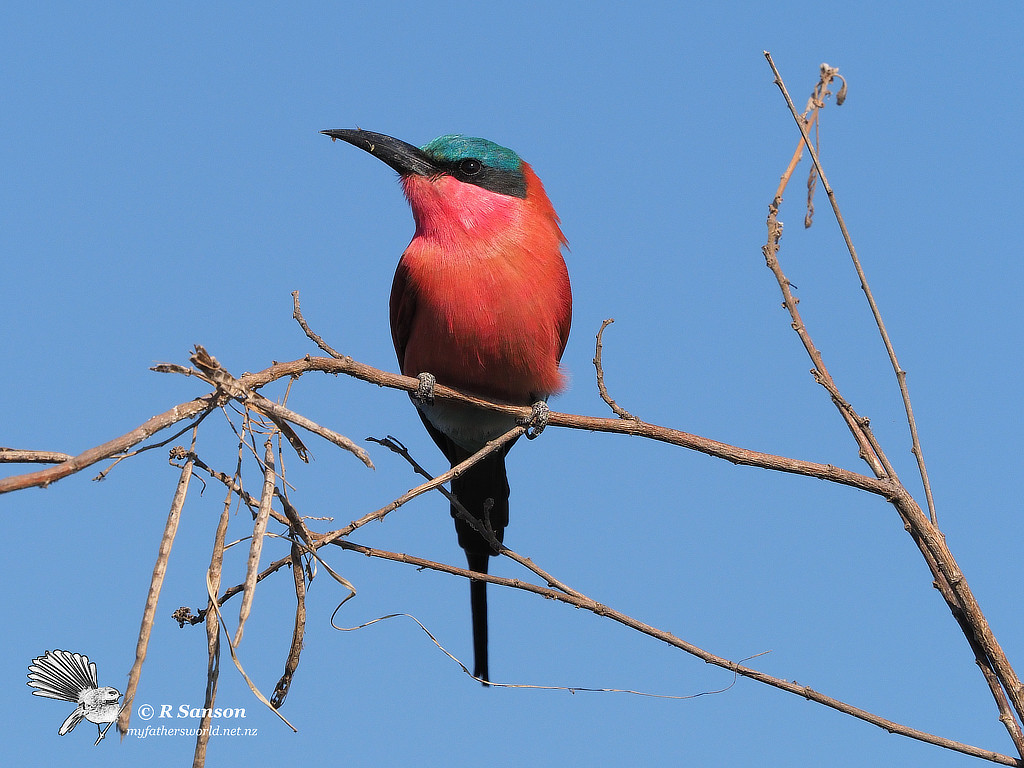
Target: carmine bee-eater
[{"x": 481, "y": 302}]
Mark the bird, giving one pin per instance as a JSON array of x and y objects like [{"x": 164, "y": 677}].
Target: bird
[
  {"x": 72, "y": 677},
  {"x": 481, "y": 302}
]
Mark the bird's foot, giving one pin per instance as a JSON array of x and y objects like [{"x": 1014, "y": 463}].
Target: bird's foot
[
  {"x": 537, "y": 420},
  {"x": 424, "y": 394}
]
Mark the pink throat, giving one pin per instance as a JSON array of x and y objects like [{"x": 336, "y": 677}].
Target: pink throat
[{"x": 453, "y": 214}]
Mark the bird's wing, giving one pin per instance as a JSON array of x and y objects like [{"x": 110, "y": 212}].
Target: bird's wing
[
  {"x": 61, "y": 675},
  {"x": 403, "y": 309},
  {"x": 564, "y": 322},
  {"x": 73, "y": 719},
  {"x": 562, "y": 299}
]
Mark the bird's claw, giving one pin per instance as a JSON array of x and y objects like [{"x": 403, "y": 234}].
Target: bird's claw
[
  {"x": 537, "y": 420},
  {"x": 424, "y": 394}
]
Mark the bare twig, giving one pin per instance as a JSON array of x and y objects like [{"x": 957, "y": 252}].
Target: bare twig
[
  {"x": 277, "y": 413},
  {"x": 156, "y": 583},
  {"x": 299, "y": 630},
  {"x": 297, "y": 314},
  {"x": 490, "y": 447},
  {"x": 368, "y": 373},
  {"x": 581, "y": 601},
  {"x": 938, "y": 557},
  {"x": 256, "y": 545},
  {"x": 151, "y": 446},
  {"x": 299, "y": 533},
  {"x": 144, "y": 431},
  {"x": 857, "y": 425},
  {"x": 21, "y": 456},
  {"x": 901, "y": 375},
  {"x": 212, "y": 635},
  {"x": 464, "y": 515},
  {"x": 237, "y": 662},
  {"x": 948, "y": 577},
  {"x": 619, "y": 411}
]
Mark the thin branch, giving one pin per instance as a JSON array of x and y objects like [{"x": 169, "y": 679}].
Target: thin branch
[
  {"x": 298, "y": 631},
  {"x": 901, "y": 375},
  {"x": 945, "y": 566},
  {"x": 870, "y": 450},
  {"x": 619, "y": 411},
  {"x": 490, "y": 447},
  {"x": 581, "y": 601},
  {"x": 22, "y": 456},
  {"x": 151, "y": 446},
  {"x": 464, "y": 515},
  {"x": 316, "y": 338},
  {"x": 948, "y": 578},
  {"x": 857, "y": 425},
  {"x": 274, "y": 567},
  {"x": 350, "y": 367},
  {"x": 213, "y": 575},
  {"x": 299, "y": 533},
  {"x": 144, "y": 431},
  {"x": 638, "y": 428},
  {"x": 274, "y": 411},
  {"x": 256, "y": 544},
  {"x": 156, "y": 583}
]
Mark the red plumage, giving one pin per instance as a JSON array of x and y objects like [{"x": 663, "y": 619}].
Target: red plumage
[{"x": 481, "y": 300}]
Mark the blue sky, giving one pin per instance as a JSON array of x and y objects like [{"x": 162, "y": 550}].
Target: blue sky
[{"x": 165, "y": 185}]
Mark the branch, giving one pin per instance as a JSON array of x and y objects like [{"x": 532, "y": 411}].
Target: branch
[
  {"x": 21, "y": 456},
  {"x": 638, "y": 428},
  {"x": 436, "y": 482},
  {"x": 213, "y": 575},
  {"x": 901, "y": 375},
  {"x": 256, "y": 543},
  {"x": 944, "y": 565},
  {"x": 155, "y": 586},
  {"x": 581, "y": 601},
  {"x": 464, "y": 515},
  {"x": 363, "y": 372},
  {"x": 566, "y": 594},
  {"x": 314, "y": 337},
  {"x": 274, "y": 411},
  {"x": 144, "y": 431},
  {"x": 948, "y": 578},
  {"x": 618, "y": 410}
]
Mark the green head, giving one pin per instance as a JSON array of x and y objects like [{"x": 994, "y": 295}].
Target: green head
[
  {"x": 455, "y": 147},
  {"x": 470, "y": 160}
]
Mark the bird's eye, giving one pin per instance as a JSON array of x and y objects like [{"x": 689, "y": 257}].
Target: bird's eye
[{"x": 470, "y": 166}]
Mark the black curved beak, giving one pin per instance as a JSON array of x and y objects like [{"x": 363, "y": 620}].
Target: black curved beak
[{"x": 404, "y": 158}]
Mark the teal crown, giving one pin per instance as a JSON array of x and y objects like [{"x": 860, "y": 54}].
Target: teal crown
[{"x": 455, "y": 147}]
